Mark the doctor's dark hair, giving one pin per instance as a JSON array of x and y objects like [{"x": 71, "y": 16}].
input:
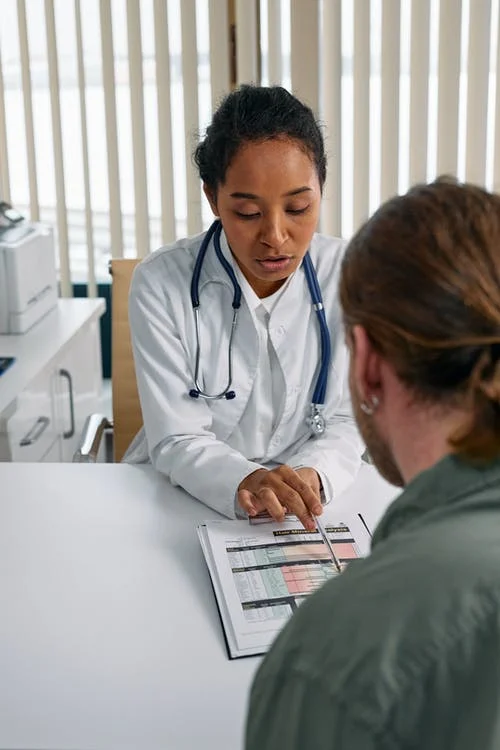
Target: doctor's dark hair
[
  {"x": 256, "y": 113},
  {"x": 422, "y": 276}
]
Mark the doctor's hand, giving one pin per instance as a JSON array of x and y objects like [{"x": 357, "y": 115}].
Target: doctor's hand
[
  {"x": 280, "y": 490},
  {"x": 311, "y": 476}
]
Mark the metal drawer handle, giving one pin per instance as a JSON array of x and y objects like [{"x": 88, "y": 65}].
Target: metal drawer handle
[
  {"x": 69, "y": 433},
  {"x": 35, "y": 432}
]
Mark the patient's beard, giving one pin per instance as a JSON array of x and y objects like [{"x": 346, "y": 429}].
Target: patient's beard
[{"x": 378, "y": 448}]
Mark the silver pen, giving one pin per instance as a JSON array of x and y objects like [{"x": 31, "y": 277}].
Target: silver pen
[{"x": 328, "y": 543}]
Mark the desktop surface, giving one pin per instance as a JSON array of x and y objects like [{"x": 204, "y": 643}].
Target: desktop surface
[{"x": 110, "y": 635}]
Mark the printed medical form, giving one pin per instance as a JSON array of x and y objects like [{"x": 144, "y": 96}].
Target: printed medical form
[{"x": 262, "y": 573}]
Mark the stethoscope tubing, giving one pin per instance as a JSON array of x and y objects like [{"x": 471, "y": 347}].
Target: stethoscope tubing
[
  {"x": 319, "y": 394},
  {"x": 227, "y": 393}
]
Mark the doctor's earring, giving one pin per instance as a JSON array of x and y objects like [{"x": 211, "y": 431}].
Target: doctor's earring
[{"x": 370, "y": 406}]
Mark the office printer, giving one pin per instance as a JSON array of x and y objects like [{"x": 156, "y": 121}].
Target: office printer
[{"x": 28, "y": 283}]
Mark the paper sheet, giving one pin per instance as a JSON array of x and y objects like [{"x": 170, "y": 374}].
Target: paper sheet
[{"x": 262, "y": 573}]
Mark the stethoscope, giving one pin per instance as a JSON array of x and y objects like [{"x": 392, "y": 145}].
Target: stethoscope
[{"x": 316, "y": 420}]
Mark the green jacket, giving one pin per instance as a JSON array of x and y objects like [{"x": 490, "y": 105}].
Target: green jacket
[{"x": 403, "y": 649}]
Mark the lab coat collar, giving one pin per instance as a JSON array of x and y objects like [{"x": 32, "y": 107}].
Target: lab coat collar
[
  {"x": 212, "y": 271},
  {"x": 251, "y": 298}
]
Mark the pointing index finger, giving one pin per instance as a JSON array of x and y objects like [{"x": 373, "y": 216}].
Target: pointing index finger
[{"x": 309, "y": 497}]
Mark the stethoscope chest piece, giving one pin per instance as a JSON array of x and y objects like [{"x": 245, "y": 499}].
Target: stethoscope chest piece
[{"x": 316, "y": 421}]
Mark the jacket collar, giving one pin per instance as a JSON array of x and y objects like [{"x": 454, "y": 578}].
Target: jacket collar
[{"x": 433, "y": 491}]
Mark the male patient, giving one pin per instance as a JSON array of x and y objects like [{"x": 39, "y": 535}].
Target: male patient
[{"x": 403, "y": 649}]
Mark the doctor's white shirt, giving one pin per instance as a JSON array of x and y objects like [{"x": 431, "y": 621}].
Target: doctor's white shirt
[
  {"x": 252, "y": 436},
  {"x": 209, "y": 447}
]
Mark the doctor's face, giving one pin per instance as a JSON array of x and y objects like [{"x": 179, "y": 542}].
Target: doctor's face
[{"x": 269, "y": 207}]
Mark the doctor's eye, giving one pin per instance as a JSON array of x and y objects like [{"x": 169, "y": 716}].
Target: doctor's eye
[{"x": 241, "y": 215}]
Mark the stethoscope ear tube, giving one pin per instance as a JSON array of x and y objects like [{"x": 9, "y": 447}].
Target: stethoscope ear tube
[{"x": 196, "y": 394}]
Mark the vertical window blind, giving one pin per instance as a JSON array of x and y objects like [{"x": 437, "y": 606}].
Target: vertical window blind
[{"x": 101, "y": 104}]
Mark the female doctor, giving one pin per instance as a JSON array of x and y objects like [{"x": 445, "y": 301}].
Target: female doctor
[{"x": 237, "y": 332}]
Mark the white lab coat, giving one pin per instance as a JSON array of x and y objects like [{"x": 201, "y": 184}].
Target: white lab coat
[{"x": 189, "y": 440}]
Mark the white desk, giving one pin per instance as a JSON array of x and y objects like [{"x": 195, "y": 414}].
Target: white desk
[{"x": 109, "y": 632}]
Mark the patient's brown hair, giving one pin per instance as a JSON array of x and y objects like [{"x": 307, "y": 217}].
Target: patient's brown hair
[{"x": 422, "y": 276}]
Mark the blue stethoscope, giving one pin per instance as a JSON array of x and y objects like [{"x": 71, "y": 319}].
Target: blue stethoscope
[{"x": 316, "y": 420}]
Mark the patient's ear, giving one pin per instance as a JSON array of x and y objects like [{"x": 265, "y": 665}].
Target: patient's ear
[
  {"x": 365, "y": 365},
  {"x": 211, "y": 198}
]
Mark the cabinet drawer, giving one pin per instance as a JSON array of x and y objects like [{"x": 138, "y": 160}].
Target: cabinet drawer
[{"x": 30, "y": 430}]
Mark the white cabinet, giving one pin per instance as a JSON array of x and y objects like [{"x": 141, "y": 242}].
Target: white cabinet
[
  {"x": 30, "y": 426},
  {"x": 54, "y": 383},
  {"x": 78, "y": 386}
]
